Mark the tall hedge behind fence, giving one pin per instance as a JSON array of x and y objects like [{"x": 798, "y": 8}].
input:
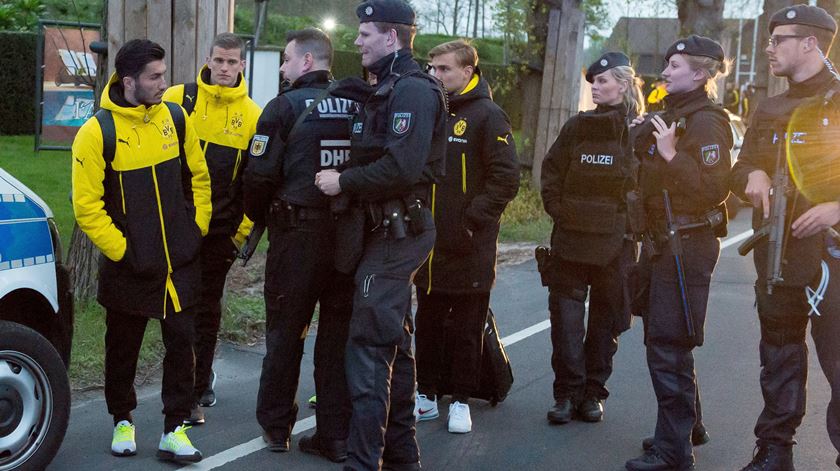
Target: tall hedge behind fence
[{"x": 17, "y": 110}]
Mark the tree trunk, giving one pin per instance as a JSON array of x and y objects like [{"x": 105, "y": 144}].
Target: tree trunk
[
  {"x": 469, "y": 13},
  {"x": 455, "y": 18},
  {"x": 83, "y": 256},
  {"x": 765, "y": 83},
  {"x": 475, "y": 19},
  {"x": 703, "y": 17},
  {"x": 560, "y": 89}
]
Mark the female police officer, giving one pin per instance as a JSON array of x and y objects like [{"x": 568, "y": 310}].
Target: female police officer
[
  {"x": 684, "y": 155},
  {"x": 585, "y": 178}
]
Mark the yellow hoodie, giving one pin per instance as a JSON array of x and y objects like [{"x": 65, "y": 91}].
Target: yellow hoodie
[
  {"x": 148, "y": 212},
  {"x": 225, "y": 119}
]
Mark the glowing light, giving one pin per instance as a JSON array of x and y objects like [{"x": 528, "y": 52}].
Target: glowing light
[{"x": 329, "y": 24}]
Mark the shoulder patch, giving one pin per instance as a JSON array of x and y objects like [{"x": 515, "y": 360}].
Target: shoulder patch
[
  {"x": 402, "y": 123},
  {"x": 710, "y": 154},
  {"x": 258, "y": 145}
]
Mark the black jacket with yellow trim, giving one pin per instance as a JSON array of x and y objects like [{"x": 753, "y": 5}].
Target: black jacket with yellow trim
[
  {"x": 225, "y": 119},
  {"x": 482, "y": 176},
  {"x": 146, "y": 211}
]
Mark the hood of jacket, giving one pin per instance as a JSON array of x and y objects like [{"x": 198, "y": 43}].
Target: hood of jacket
[
  {"x": 113, "y": 99},
  {"x": 476, "y": 89}
]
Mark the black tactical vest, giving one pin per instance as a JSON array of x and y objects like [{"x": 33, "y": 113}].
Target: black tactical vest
[
  {"x": 370, "y": 132},
  {"x": 602, "y": 170},
  {"x": 320, "y": 141}
]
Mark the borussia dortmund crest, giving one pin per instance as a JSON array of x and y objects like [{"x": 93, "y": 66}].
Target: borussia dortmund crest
[
  {"x": 166, "y": 129},
  {"x": 460, "y": 127},
  {"x": 236, "y": 121}
]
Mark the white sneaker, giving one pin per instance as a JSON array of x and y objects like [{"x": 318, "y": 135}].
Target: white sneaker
[
  {"x": 459, "y": 418},
  {"x": 425, "y": 408},
  {"x": 176, "y": 446},
  {"x": 122, "y": 443}
]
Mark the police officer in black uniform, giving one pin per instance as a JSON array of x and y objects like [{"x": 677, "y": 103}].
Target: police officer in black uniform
[
  {"x": 301, "y": 132},
  {"x": 586, "y": 176},
  {"x": 684, "y": 151},
  {"x": 398, "y": 144},
  {"x": 800, "y": 39}
]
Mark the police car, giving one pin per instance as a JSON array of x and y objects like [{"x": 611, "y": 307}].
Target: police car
[{"x": 36, "y": 330}]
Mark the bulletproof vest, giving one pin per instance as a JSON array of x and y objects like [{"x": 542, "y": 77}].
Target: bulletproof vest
[
  {"x": 319, "y": 141},
  {"x": 602, "y": 170},
  {"x": 801, "y": 257},
  {"x": 370, "y": 132}
]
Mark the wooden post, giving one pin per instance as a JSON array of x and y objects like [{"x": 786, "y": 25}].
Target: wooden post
[
  {"x": 560, "y": 92},
  {"x": 185, "y": 29}
]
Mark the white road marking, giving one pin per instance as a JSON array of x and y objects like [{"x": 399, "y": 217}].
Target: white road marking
[
  {"x": 729, "y": 241},
  {"x": 257, "y": 444}
]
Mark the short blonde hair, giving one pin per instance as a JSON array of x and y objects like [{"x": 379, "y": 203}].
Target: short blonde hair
[
  {"x": 633, "y": 98},
  {"x": 714, "y": 70},
  {"x": 465, "y": 53}
]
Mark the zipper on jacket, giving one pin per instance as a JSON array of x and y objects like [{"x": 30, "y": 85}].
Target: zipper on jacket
[
  {"x": 236, "y": 165},
  {"x": 432, "y": 252},
  {"x": 170, "y": 285},
  {"x": 122, "y": 193},
  {"x": 464, "y": 172}
]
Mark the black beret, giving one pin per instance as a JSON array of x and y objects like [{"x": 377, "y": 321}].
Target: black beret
[
  {"x": 386, "y": 11},
  {"x": 696, "y": 46},
  {"x": 605, "y": 63},
  {"x": 803, "y": 15}
]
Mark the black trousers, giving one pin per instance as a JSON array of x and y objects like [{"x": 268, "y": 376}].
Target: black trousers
[
  {"x": 299, "y": 274},
  {"x": 455, "y": 321},
  {"x": 380, "y": 365},
  {"x": 217, "y": 255},
  {"x": 784, "y": 357},
  {"x": 669, "y": 350},
  {"x": 123, "y": 338},
  {"x": 583, "y": 349}
]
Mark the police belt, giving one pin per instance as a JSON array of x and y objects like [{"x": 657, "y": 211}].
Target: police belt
[
  {"x": 396, "y": 216},
  {"x": 290, "y": 215}
]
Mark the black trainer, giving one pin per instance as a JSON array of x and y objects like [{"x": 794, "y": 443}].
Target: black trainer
[
  {"x": 196, "y": 416},
  {"x": 208, "y": 397},
  {"x": 699, "y": 437},
  {"x": 770, "y": 457},
  {"x": 333, "y": 450},
  {"x": 561, "y": 412},
  {"x": 591, "y": 409},
  {"x": 276, "y": 442},
  {"x": 651, "y": 460}
]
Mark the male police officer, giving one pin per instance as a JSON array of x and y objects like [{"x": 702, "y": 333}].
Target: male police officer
[
  {"x": 800, "y": 40},
  {"x": 482, "y": 176},
  {"x": 301, "y": 132},
  {"x": 141, "y": 192},
  {"x": 225, "y": 119},
  {"x": 397, "y": 147}
]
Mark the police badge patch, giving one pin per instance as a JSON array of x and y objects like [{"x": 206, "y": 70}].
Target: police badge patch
[
  {"x": 258, "y": 145},
  {"x": 711, "y": 154},
  {"x": 402, "y": 123}
]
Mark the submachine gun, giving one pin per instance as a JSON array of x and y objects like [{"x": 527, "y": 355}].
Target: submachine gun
[
  {"x": 251, "y": 242},
  {"x": 774, "y": 228}
]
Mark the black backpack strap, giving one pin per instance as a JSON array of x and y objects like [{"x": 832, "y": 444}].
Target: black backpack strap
[
  {"x": 190, "y": 97},
  {"x": 109, "y": 135},
  {"x": 179, "y": 121}
]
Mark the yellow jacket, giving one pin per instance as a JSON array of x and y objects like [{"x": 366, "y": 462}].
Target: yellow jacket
[
  {"x": 147, "y": 210},
  {"x": 225, "y": 119}
]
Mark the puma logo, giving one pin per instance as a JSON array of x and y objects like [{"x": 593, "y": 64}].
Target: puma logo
[
  {"x": 123, "y": 141},
  {"x": 503, "y": 139},
  {"x": 192, "y": 98},
  {"x": 81, "y": 162}
]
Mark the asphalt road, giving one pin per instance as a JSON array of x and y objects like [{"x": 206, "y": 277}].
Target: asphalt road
[{"x": 514, "y": 435}]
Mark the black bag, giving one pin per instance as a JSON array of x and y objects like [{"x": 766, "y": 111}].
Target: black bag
[{"x": 496, "y": 376}]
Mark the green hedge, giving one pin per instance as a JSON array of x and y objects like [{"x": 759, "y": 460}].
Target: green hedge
[{"x": 17, "y": 110}]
